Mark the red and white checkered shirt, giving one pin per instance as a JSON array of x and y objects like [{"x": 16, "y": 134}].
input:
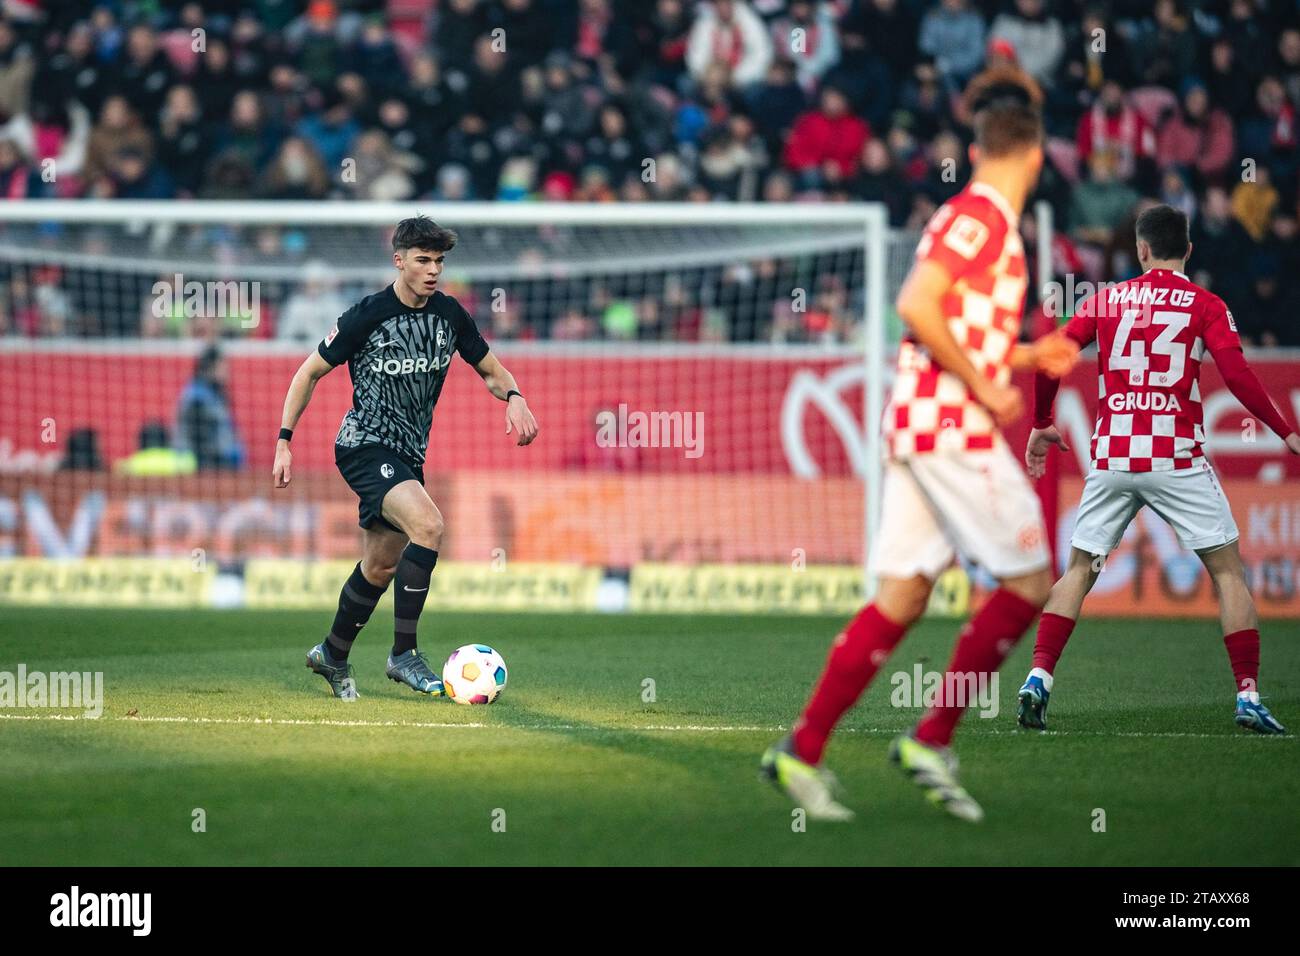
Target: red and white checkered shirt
[
  {"x": 1151, "y": 333},
  {"x": 975, "y": 237}
]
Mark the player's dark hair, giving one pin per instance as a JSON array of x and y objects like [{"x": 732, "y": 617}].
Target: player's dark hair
[
  {"x": 1006, "y": 109},
  {"x": 1164, "y": 229},
  {"x": 421, "y": 232}
]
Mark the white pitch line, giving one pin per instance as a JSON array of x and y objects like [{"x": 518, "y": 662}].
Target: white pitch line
[{"x": 645, "y": 728}]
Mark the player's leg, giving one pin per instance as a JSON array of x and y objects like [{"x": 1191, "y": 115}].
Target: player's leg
[
  {"x": 408, "y": 506},
  {"x": 794, "y": 763},
  {"x": 1193, "y": 503},
  {"x": 910, "y": 550},
  {"x": 1109, "y": 504},
  {"x": 1054, "y": 629},
  {"x": 1240, "y": 623},
  {"x": 856, "y": 656},
  {"x": 360, "y": 593},
  {"x": 995, "y": 518}
]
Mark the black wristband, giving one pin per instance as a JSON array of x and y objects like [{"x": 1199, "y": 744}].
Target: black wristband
[
  {"x": 286, "y": 434},
  {"x": 514, "y": 391}
]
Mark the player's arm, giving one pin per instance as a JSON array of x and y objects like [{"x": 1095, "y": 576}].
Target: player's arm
[
  {"x": 1051, "y": 355},
  {"x": 1078, "y": 332},
  {"x": 920, "y": 306},
  {"x": 499, "y": 381},
  {"x": 1223, "y": 343},
  {"x": 311, "y": 371}
]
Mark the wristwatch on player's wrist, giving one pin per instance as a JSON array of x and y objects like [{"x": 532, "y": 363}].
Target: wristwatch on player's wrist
[{"x": 513, "y": 392}]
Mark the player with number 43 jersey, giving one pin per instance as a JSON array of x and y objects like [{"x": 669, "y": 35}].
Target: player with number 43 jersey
[{"x": 1152, "y": 333}]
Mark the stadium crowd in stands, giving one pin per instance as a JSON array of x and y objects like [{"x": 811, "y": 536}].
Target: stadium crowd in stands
[{"x": 1190, "y": 102}]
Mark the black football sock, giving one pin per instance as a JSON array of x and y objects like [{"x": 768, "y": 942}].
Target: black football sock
[
  {"x": 356, "y": 602},
  {"x": 412, "y": 587}
]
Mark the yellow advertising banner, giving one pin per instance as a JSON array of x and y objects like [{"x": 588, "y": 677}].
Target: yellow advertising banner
[
  {"x": 106, "y": 582},
  {"x": 455, "y": 585},
  {"x": 772, "y": 589}
]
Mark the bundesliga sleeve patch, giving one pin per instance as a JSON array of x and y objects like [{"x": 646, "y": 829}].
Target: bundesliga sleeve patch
[
  {"x": 332, "y": 332},
  {"x": 1232, "y": 323},
  {"x": 966, "y": 236}
]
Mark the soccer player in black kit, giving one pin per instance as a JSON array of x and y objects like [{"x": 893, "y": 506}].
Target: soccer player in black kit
[{"x": 398, "y": 345}]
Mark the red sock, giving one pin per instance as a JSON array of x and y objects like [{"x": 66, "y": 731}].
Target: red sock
[
  {"x": 1243, "y": 652},
  {"x": 1053, "y": 631},
  {"x": 984, "y": 643},
  {"x": 856, "y": 655}
]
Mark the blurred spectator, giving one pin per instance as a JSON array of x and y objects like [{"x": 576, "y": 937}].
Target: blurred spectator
[
  {"x": 1231, "y": 88},
  {"x": 1174, "y": 191},
  {"x": 1114, "y": 125},
  {"x": 1099, "y": 52},
  {"x": 826, "y": 142},
  {"x": 298, "y": 173},
  {"x": 1253, "y": 202},
  {"x": 375, "y": 59},
  {"x": 879, "y": 181},
  {"x": 248, "y": 134},
  {"x": 947, "y": 172},
  {"x": 1269, "y": 136},
  {"x": 383, "y": 174},
  {"x": 808, "y": 35},
  {"x": 889, "y": 30},
  {"x": 156, "y": 457},
  {"x": 952, "y": 34},
  {"x": 310, "y": 311},
  {"x": 315, "y": 40},
  {"x": 663, "y": 39},
  {"x": 204, "y": 423},
  {"x": 1268, "y": 318},
  {"x": 183, "y": 142},
  {"x": 82, "y": 452},
  {"x": 70, "y": 72},
  {"x": 1288, "y": 61},
  {"x": 1198, "y": 137},
  {"x": 1220, "y": 247},
  {"x": 925, "y": 101},
  {"x": 1037, "y": 38},
  {"x": 330, "y": 131},
  {"x": 1100, "y": 204},
  {"x": 216, "y": 81},
  {"x": 457, "y": 25},
  {"x": 732, "y": 160},
  {"x": 1167, "y": 45},
  {"x": 119, "y": 129},
  {"x": 729, "y": 33},
  {"x": 17, "y": 67},
  {"x": 145, "y": 73},
  {"x": 133, "y": 174},
  {"x": 18, "y": 178}
]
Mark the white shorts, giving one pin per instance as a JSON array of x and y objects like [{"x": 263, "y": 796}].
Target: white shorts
[
  {"x": 977, "y": 503},
  {"x": 1190, "y": 501}
]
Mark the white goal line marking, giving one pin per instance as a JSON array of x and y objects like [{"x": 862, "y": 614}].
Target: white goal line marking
[{"x": 642, "y": 728}]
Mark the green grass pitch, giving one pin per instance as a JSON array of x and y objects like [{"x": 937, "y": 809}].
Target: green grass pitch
[{"x": 582, "y": 770}]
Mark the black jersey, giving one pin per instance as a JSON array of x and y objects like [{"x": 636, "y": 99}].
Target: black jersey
[{"x": 398, "y": 358}]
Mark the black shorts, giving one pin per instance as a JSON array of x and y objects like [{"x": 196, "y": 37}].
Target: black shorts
[{"x": 372, "y": 471}]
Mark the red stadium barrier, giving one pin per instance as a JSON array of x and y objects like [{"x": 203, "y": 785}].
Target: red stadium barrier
[{"x": 769, "y": 425}]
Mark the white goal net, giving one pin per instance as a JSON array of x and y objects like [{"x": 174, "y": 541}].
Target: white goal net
[{"x": 706, "y": 379}]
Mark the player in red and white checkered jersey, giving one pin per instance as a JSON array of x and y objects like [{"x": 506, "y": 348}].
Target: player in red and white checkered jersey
[
  {"x": 951, "y": 484},
  {"x": 1152, "y": 333},
  {"x": 973, "y": 239}
]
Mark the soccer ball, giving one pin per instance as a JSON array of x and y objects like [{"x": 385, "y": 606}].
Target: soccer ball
[{"x": 474, "y": 674}]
